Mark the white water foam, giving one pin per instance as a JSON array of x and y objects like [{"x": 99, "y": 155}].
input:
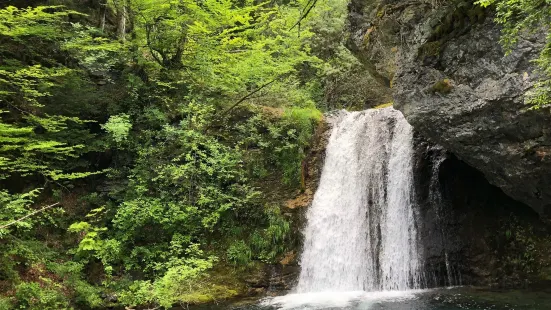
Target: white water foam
[
  {"x": 361, "y": 233},
  {"x": 326, "y": 300}
]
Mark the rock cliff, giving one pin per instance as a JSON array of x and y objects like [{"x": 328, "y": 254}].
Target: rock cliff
[
  {"x": 470, "y": 232},
  {"x": 444, "y": 66}
]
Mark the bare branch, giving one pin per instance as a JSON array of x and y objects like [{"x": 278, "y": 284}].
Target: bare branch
[
  {"x": 29, "y": 215},
  {"x": 247, "y": 96},
  {"x": 314, "y": 2}
]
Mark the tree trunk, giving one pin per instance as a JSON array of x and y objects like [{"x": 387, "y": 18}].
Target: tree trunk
[
  {"x": 121, "y": 27},
  {"x": 103, "y": 14}
]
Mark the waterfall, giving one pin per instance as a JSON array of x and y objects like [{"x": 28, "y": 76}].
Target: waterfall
[
  {"x": 438, "y": 203},
  {"x": 361, "y": 232}
]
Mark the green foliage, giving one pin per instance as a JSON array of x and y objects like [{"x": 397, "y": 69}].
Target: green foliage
[
  {"x": 33, "y": 296},
  {"x": 522, "y": 251},
  {"x": 278, "y": 139},
  {"x": 517, "y": 16},
  {"x": 270, "y": 243},
  {"x": 83, "y": 293},
  {"x": 118, "y": 126},
  {"x": 301, "y": 123},
  {"x": 36, "y": 139},
  {"x": 15, "y": 206},
  {"x": 54, "y": 284},
  {"x": 5, "y": 303},
  {"x": 181, "y": 284},
  {"x": 19, "y": 23},
  {"x": 90, "y": 241},
  {"x": 340, "y": 80},
  {"x": 189, "y": 184},
  {"x": 156, "y": 124},
  {"x": 239, "y": 253},
  {"x": 225, "y": 49}
]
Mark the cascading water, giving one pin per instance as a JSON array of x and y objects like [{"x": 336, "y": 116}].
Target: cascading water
[
  {"x": 437, "y": 202},
  {"x": 361, "y": 232}
]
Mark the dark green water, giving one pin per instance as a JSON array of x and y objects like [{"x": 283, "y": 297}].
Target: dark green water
[{"x": 461, "y": 298}]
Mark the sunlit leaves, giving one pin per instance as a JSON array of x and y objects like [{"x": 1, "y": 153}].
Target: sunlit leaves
[
  {"x": 43, "y": 21},
  {"x": 35, "y": 136},
  {"x": 223, "y": 48},
  {"x": 179, "y": 171},
  {"x": 118, "y": 126},
  {"x": 15, "y": 206}
]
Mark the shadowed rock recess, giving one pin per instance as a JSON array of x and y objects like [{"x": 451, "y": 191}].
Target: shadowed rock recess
[
  {"x": 448, "y": 74},
  {"x": 469, "y": 231}
]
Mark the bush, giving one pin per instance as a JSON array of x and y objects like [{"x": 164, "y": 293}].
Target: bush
[
  {"x": 269, "y": 243},
  {"x": 300, "y": 124},
  {"x": 34, "y": 296},
  {"x": 239, "y": 253},
  {"x": 181, "y": 284},
  {"x": 5, "y": 303}
]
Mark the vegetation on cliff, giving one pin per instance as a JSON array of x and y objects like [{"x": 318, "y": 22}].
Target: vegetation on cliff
[
  {"x": 140, "y": 139},
  {"x": 522, "y": 17}
]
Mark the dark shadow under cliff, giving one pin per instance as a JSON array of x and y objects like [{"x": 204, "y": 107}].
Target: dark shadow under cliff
[{"x": 471, "y": 232}]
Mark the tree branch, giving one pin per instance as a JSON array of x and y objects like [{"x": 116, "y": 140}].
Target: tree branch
[
  {"x": 247, "y": 96},
  {"x": 148, "y": 29},
  {"x": 29, "y": 215},
  {"x": 314, "y": 2}
]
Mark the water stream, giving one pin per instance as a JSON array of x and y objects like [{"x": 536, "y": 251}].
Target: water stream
[
  {"x": 361, "y": 233},
  {"x": 438, "y": 202}
]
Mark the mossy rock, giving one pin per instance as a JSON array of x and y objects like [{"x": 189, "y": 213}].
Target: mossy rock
[
  {"x": 442, "y": 87},
  {"x": 430, "y": 49},
  {"x": 384, "y": 105},
  {"x": 457, "y": 19},
  {"x": 208, "y": 294}
]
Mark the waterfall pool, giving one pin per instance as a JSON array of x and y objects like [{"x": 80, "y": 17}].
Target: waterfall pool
[{"x": 457, "y": 298}]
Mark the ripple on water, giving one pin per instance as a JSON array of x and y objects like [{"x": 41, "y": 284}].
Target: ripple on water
[{"x": 456, "y": 298}]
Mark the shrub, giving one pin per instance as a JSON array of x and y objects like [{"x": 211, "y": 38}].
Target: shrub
[
  {"x": 34, "y": 296},
  {"x": 239, "y": 253},
  {"x": 5, "y": 303}
]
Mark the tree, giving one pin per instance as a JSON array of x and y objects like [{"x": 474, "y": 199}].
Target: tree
[
  {"x": 182, "y": 116},
  {"x": 34, "y": 141}
]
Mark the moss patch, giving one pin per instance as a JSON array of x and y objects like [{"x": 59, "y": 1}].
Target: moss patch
[
  {"x": 458, "y": 19},
  {"x": 384, "y": 105},
  {"x": 208, "y": 294},
  {"x": 430, "y": 49},
  {"x": 442, "y": 87}
]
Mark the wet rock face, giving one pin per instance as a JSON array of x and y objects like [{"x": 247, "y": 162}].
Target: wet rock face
[
  {"x": 470, "y": 232},
  {"x": 451, "y": 79}
]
